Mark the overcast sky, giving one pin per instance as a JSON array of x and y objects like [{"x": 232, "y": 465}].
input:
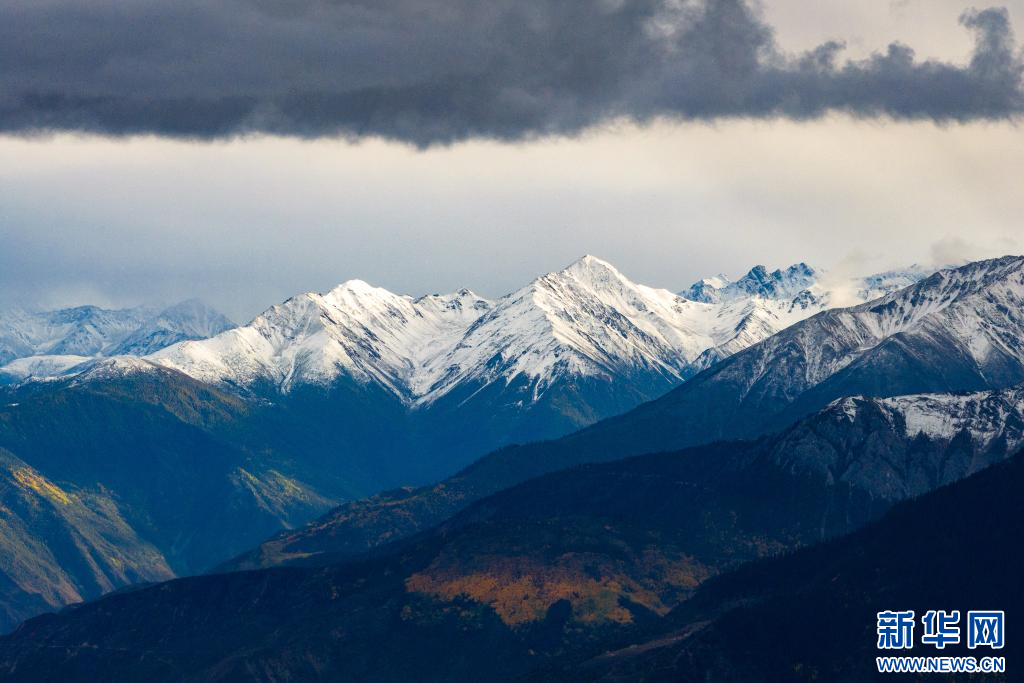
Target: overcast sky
[{"x": 325, "y": 141}]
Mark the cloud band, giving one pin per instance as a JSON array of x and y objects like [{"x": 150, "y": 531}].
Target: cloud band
[{"x": 438, "y": 71}]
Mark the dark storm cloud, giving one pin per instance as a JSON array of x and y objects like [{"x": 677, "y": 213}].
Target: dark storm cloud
[{"x": 435, "y": 71}]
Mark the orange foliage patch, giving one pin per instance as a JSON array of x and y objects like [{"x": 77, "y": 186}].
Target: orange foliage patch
[{"x": 521, "y": 589}]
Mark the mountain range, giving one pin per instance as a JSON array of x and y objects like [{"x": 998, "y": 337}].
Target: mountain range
[
  {"x": 587, "y": 320},
  {"x": 458, "y": 375},
  {"x": 200, "y": 449},
  {"x": 206, "y": 447},
  {"x": 567, "y": 337}
]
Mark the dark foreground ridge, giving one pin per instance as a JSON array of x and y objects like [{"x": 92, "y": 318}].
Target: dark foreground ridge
[
  {"x": 812, "y": 616},
  {"x": 566, "y": 567}
]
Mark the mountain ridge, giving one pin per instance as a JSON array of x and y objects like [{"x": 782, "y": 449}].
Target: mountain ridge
[
  {"x": 584, "y": 324},
  {"x": 587, "y": 320}
]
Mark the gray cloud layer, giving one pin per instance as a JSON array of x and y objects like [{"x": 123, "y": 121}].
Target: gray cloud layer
[{"x": 436, "y": 71}]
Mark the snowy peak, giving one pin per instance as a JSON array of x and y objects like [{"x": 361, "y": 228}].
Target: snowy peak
[
  {"x": 592, "y": 272},
  {"x": 41, "y": 367},
  {"x": 758, "y": 282},
  {"x": 589, "y": 320},
  {"x": 959, "y": 328},
  {"x": 81, "y": 331},
  {"x": 464, "y": 303},
  {"x": 803, "y": 285},
  {"x": 887, "y": 282},
  {"x": 585, "y": 320},
  {"x": 774, "y": 285},
  {"x": 357, "y": 294},
  {"x": 91, "y": 331},
  {"x": 972, "y": 291},
  {"x": 707, "y": 290},
  {"x": 366, "y": 333}
]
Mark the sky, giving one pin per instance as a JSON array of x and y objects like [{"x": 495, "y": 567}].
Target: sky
[{"x": 424, "y": 146}]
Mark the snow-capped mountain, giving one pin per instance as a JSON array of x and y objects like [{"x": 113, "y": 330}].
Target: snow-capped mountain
[
  {"x": 191, "y": 319},
  {"x": 878, "y": 285},
  {"x": 80, "y": 331},
  {"x": 960, "y": 329},
  {"x": 381, "y": 389},
  {"x": 803, "y": 284},
  {"x": 762, "y": 302},
  {"x": 42, "y": 367},
  {"x": 758, "y": 282},
  {"x": 569, "y": 349},
  {"x": 363, "y": 332},
  {"x": 340, "y": 395},
  {"x": 587, "y": 322},
  {"x": 46, "y": 343},
  {"x": 974, "y": 313}
]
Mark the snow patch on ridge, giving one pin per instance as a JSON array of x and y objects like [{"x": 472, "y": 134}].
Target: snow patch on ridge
[{"x": 984, "y": 415}]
